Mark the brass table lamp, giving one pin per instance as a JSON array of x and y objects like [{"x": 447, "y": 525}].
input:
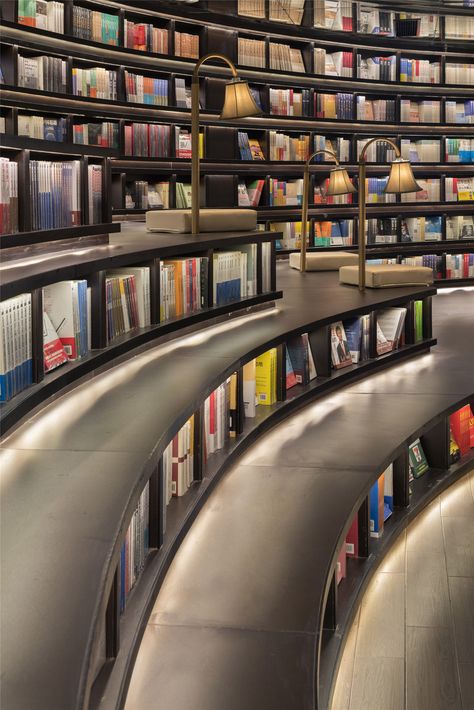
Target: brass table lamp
[{"x": 238, "y": 103}]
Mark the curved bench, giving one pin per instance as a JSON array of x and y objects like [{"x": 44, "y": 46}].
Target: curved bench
[
  {"x": 81, "y": 464},
  {"x": 238, "y": 622}
]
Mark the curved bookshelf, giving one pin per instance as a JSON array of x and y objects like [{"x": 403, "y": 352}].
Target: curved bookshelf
[{"x": 155, "y": 377}]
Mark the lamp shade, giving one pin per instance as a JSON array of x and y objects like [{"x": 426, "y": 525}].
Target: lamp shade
[
  {"x": 339, "y": 182},
  {"x": 238, "y": 101},
  {"x": 401, "y": 178}
]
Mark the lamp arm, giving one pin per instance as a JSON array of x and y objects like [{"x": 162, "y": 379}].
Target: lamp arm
[
  {"x": 214, "y": 55},
  {"x": 321, "y": 152},
  {"x": 375, "y": 140}
]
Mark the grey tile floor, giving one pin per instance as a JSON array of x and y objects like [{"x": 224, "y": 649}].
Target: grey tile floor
[{"x": 411, "y": 646}]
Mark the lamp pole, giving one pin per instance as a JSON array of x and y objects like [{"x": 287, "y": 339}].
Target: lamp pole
[
  {"x": 304, "y": 211},
  {"x": 362, "y": 204},
  {"x": 195, "y": 174}
]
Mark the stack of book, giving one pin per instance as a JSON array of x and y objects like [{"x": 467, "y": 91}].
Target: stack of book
[
  {"x": 135, "y": 547},
  {"x": 376, "y": 109},
  {"x": 288, "y": 148},
  {"x": 186, "y": 45},
  {"x": 121, "y": 299},
  {"x": 379, "y": 152},
  {"x": 66, "y": 305},
  {"x": 420, "y": 229},
  {"x": 383, "y": 230},
  {"x": 94, "y": 25},
  {"x": 97, "y": 83},
  {"x": 458, "y": 27},
  {"x": 459, "y": 189},
  {"x": 42, "y": 14},
  {"x": 143, "y": 195},
  {"x": 333, "y": 15},
  {"x": 419, "y": 71},
  {"x": 339, "y": 106},
  {"x": 333, "y": 233},
  {"x": 356, "y": 332},
  {"x": 432, "y": 261},
  {"x": 178, "y": 462},
  {"x": 289, "y": 102},
  {"x": 249, "y": 194},
  {"x": 377, "y": 68},
  {"x": 424, "y": 150},
  {"x": 459, "y": 111},
  {"x": 47, "y": 129},
  {"x": 251, "y": 8},
  {"x": 375, "y": 187},
  {"x": 250, "y": 148},
  {"x": 333, "y": 63},
  {"x": 459, "y": 73},
  {"x": 291, "y": 234},
  {"x": 42, "y": 73},
  {"x": 430, "y": 191},
  {"x": 183, "y": 286},
  {"x": 459, "y": 227},
  {"x": 147, "y": 140},
  {"x": 381, "y": 502},
  {"x": 217, "y": 417},
  {"x": 322, "y": 198},
  {"x": 234, "y": 274},
  {"x": 94, "y": 180},
  {"x": 286, "y": 58},
  {"x": 16, "y": 362},
  {"x": 145, "y": 37},
  {"x": 55, "y": 192},
  {"x": 341, "y": 147},
  {"x": 427, "y": 111},
  {"x": 183, "y": 195},
  {"x": 8, "y": 196},
  {"x": 390, "y": 329},
  {"x": 408, "y": 24},
  {"x": 459, "y": 150},
  {"x": 373, "y": 21},
  {"x": 251, "y": 52},
  {"x": 105, "y": 134},
  {"x": 182, "y": 142},
  {"x": 182, "y": 93},
  {"x": 146, "y": 90},
  {"x": 289, "y": 11},
  {"x": 285, "y": 193},
  {"x": 459, "y": 266}
]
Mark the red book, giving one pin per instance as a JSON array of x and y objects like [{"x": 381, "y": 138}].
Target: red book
[
  {"x": 460, "y": 426},
  {"x": 352, "y": 539}
]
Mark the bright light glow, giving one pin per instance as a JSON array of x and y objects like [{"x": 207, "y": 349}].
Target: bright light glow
[
  {"x": 19, "y": 263},
  {"x": 443, "y": 291}
]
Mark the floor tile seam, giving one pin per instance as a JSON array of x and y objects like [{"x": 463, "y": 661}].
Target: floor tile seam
[{"x": 229, "y": 627}]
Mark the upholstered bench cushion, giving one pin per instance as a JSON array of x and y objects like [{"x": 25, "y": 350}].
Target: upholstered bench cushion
[
  {"x": 387, "y": 275},
  {"x": 324, "y": 261},
  {"x": 209, "y": 220}
]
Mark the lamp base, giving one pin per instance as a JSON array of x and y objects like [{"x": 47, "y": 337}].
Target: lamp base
[
  {"x": 324, "y": 261},
  {"x": 179, "y": 221},
  {"x": 387, "y": 275}
]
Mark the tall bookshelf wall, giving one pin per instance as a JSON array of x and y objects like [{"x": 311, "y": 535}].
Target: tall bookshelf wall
[{"x": 145, "y": 160}]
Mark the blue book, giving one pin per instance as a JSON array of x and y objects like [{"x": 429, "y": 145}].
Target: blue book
[{"x": 353, "y": 328}]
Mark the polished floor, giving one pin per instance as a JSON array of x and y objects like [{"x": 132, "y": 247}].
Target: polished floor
[{"x": 411, "y": 646}]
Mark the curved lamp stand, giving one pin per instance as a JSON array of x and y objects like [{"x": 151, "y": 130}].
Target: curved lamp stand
[{"x": 238, "y": 103}]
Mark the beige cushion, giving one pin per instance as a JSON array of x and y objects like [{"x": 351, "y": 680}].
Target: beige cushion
[
  {"x": 209, "y": 220},
  {"x": 386, "y": 275},
  {"x": 325, "y": 261}
]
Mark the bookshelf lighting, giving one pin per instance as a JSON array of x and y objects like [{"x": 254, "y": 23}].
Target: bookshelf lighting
[
  {"x": 339, "y": 184},
  {"x": 238, "y": 103}
]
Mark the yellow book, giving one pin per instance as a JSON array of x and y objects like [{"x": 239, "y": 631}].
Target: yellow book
[{"x": 265, "y": 377}]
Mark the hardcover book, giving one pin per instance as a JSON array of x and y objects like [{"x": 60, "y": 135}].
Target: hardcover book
[
  {"x": 417, "y": 459},
  {"x": 340, "y": 351}
]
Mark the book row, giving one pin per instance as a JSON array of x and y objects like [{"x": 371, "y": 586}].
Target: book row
[
  {"x": 39, "y": 73},
  {"x": 444, "y": 266},
  {"x": 335, "y": 15}
]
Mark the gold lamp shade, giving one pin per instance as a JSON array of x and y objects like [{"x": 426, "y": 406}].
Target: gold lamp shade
[
  {"x": 401, "y": 178},
  {"x": 238, "y": 101},
  {"x": 339, "y": 182}
]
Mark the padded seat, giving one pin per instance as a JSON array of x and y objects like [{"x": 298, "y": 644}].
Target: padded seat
[
  {"x": 387, "y": 275},
  {"x": 325, "y": 261},
  {"x": 179, "y": 221}
]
